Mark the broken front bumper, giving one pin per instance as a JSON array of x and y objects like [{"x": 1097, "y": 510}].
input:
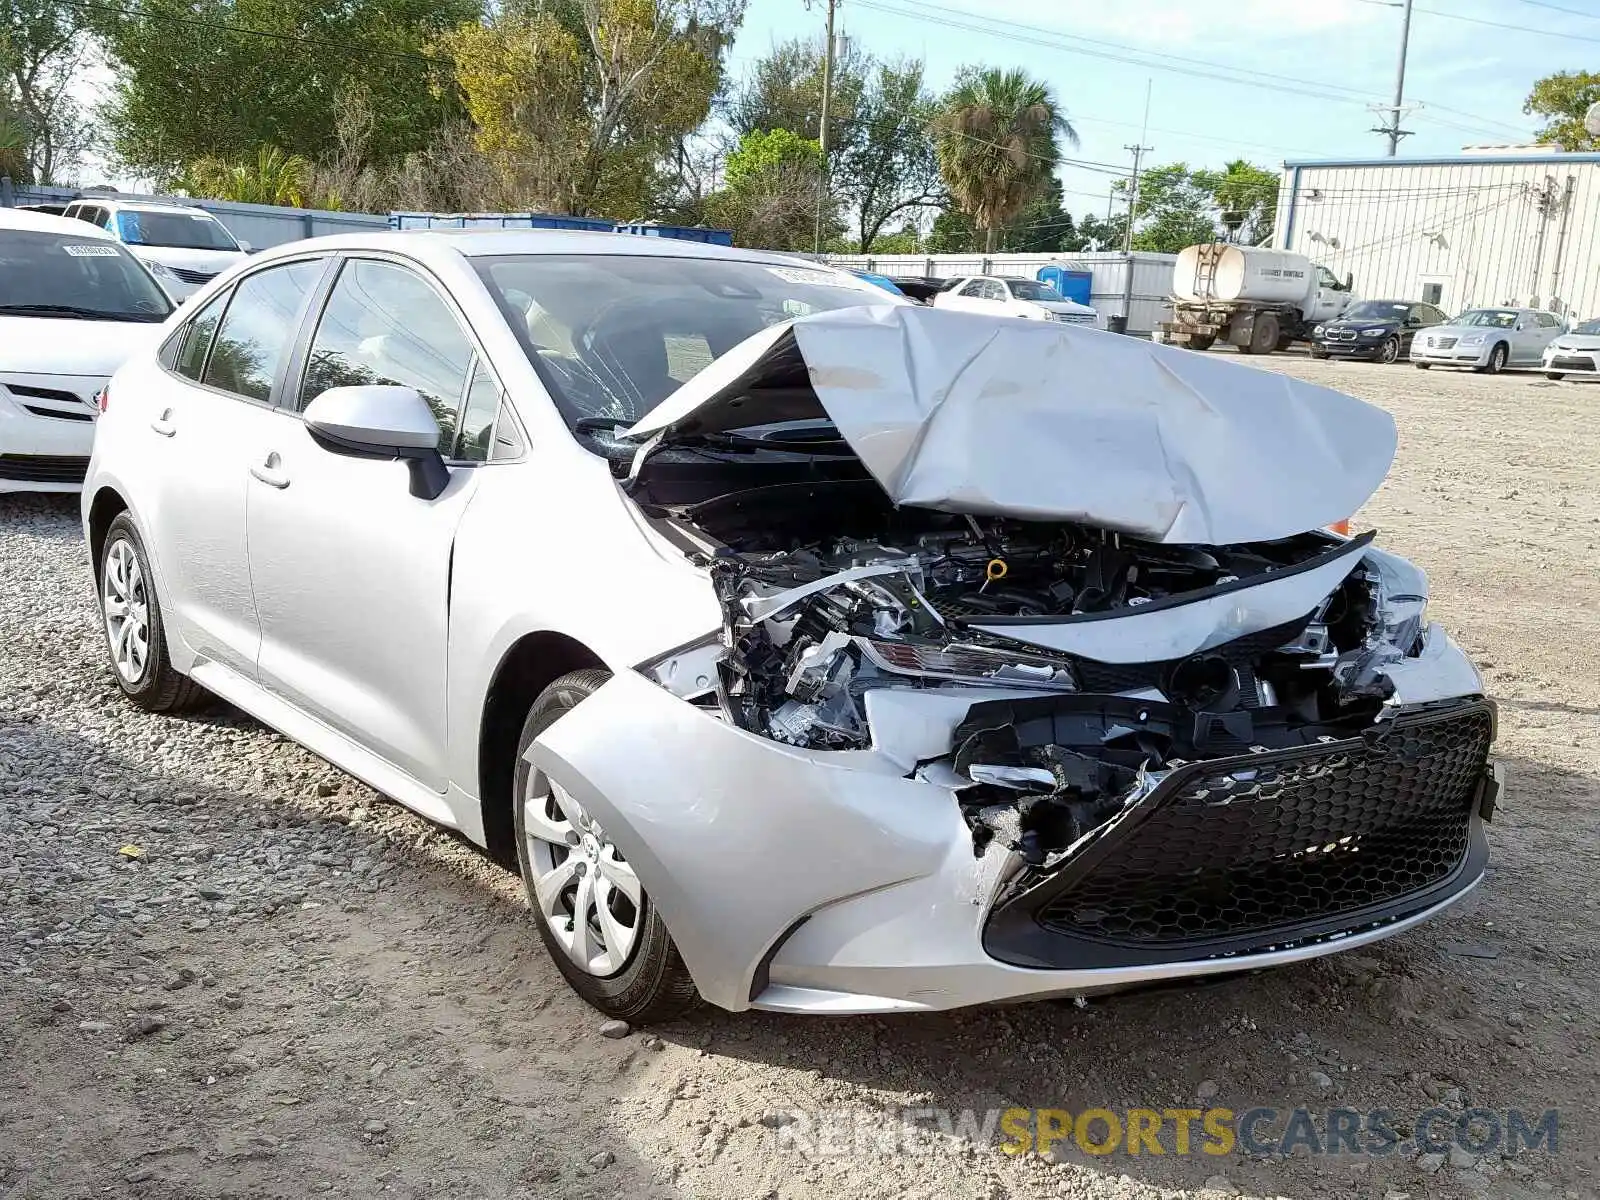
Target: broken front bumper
[{"x": 829, "y": 882}]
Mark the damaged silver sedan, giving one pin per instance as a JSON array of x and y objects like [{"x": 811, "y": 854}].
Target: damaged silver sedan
[{"x": 816, "y": 652}]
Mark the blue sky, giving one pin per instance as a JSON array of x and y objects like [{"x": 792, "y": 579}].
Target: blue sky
[{"x": 1469, "y": 72}]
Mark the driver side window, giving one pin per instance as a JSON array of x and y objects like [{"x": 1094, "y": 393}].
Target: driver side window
[
  {"x": 383, "y": 324},
  {"x": 976, "y": 289}
]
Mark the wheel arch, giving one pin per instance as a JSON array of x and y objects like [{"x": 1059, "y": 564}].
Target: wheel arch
[
  {"x": 529, "y": 665},
  {"x": 107, "y": 504}
]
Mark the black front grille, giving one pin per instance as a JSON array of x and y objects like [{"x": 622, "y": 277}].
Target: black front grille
[
  {"x": 1569, "y": 363},
  {"x": 1257, "y": 849},
  {"x": 189, "y": 276},
  {"x": 43, "y": 393},
  {"x": 43, "y": 468}
]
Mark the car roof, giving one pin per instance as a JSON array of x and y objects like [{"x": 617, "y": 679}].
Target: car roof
[
  {"x": 481, "y": 243},
  {"x": 192, "y": 210},
  {"x": 21, "y": 218}
]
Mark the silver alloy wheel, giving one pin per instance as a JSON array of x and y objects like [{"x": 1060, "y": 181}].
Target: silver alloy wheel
[
  {"x": 126, "y": 605},
  {"x": 589, "y": 895},
  {"x": 1390, "y": 350}
]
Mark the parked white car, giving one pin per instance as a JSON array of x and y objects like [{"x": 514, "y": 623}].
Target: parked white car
[
  {"x": 1488, "y": 339},
  {"x": 73, "y": 306},
  {"x": 807, "y": 649},
  {"x": 185, "y": 247},
  {"x": 1576, "y": 352},
  {"x": 1028, "y": 298}
]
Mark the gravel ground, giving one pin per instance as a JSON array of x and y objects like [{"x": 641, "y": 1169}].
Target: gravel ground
[{"x": 228, "y": 970}]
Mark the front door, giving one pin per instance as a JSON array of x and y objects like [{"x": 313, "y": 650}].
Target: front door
[
  {"x": 351, "y": 572},
  {"x": 211, "y": 413}
]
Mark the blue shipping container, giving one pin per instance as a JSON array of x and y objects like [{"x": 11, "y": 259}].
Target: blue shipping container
[
  {"x": 526, "y": 220},
  {"x": 1074, "y": 285},
  {"x": 683, "y": 233}
]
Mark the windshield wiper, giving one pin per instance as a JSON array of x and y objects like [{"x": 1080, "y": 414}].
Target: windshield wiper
[{"x": 73, "y": 310}]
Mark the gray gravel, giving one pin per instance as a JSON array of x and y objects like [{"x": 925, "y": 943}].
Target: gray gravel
[{"x": 226, "y": 969}]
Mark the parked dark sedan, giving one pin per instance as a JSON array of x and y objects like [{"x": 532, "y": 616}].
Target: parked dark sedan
[{"x": 1380, "y": 330}]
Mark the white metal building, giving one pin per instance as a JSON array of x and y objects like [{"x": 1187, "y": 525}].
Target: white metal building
[
  {"x": 1496, "y": 225},
  {"x": 1149, "y": 304}
]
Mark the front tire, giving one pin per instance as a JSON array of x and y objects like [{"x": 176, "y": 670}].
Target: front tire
[
  {"x": 1389, "y": 352},
  {"x": 1422, "y": 366},
  {"x": 605, "y": 937},
  {"x": 136, "y": 636},
  {"x": 1315, "y": 353},
  {"x": 1555, "y": 375},
  {"x": 1497, "y": 360}
]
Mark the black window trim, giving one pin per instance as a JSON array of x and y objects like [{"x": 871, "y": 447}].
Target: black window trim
[
  {"x": 311, "y": 318},
  {"x": 230, "y": 292}
]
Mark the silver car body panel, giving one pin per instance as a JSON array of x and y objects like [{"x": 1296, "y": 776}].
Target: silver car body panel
[{"x": 971, "y": 414}]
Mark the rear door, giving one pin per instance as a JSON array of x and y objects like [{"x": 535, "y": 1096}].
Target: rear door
[{"x": 209, "y": 413}]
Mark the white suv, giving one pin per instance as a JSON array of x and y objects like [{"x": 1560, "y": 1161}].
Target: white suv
[
  {"x": 73, "y": 306},
  {"x": 185, "y": 247}
]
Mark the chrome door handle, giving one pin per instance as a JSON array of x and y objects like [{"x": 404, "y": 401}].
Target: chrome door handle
[
  {"x": 163, "y": 424},
  {"x": 269, "y": 472}
]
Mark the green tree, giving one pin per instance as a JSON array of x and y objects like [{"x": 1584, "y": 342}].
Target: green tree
[
  {"x": 581, "y": 103},
  {"x": 997, "y": 139},
  {"x": 1174, "y": 208},
  {"x": 783, "y": 90},
  {"x": 889, "y": 168},
  {"x": 1101, "y": 233},
  {"x": 42, "y": 43},
  {"x": 14, "y": 148},
  {"x": 221, "y": 78},
  {"x": 1246, "y": 197},
  {"x": 1562, "y": 99},
  {"x": 1042, "y": 227},
  {"x": 773, "y": 182}
]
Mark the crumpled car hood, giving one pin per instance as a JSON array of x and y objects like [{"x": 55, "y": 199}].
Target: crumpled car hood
[{"x": 962, "y": 412}]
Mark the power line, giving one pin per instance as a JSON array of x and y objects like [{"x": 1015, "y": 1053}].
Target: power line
[
  {"x": 1555, "y": 33},
  {"x": 1557, "y": 8},
  {"x": 1027, "y": 34}
]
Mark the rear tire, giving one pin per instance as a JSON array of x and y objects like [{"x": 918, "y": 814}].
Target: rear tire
[
  {"x": 136, "y": 636},
  {"x": 1202, "y": 341},
  {"x": 630, "y": 968},
  {"x": 1315, "y": 353},
  {"x": 1422, "y": 366},
  {"x": 1264, "y": 335}
]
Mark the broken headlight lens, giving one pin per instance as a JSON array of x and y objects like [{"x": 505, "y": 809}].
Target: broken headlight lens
[{"x": 971, "y": 664}]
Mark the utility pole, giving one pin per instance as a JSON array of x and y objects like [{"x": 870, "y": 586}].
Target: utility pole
[
  {"x": 822, "y": 129},
  {"x": 1138, "y": 150},
  {"x": 1392, "y": 130}
]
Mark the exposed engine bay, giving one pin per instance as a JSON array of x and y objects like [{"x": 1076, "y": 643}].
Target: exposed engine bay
[{"x": 831, "y": 599}]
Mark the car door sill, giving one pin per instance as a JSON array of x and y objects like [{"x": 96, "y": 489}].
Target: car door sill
[{"x": 349, "y": 756}]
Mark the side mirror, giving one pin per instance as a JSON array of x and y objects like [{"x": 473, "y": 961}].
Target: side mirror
[
  {"x": 245, "y": 246},
  {"x": 1349, "y": 280},
  {"x": 1413, "y": 322},
  {"x": 382, "y": 421}
]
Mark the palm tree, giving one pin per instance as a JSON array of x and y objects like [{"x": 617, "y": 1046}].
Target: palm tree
[
  {"x": 997, "y": 134},
  {"x": 274, "y": 178}
]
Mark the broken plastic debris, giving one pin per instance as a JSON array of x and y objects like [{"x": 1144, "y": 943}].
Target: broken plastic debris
[{"x": 131, "y": 851}]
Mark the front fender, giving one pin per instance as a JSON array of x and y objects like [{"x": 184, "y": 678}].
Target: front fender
[{"x": 735, "y": 838}]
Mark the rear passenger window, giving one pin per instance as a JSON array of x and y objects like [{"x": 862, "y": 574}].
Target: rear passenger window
[
  {"x": 257, "y": 328},
  {"x": 196, "y": 339},
  {"x": 385, "y": 325}
]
